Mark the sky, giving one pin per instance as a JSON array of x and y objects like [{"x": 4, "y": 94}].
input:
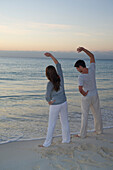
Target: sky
[{"x": 56, "y": 25}]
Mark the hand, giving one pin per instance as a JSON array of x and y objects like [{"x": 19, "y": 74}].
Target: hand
[
  {"x": 48, "y": 54},
  {"x": 51, "y": 102},
  {"x": 80, "y": 49},
  {"x": 53, "y": 58},
  {"x": 86, "y": 93}
]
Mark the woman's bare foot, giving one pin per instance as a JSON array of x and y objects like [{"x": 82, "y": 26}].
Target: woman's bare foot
[
  {"x": 76, "y": 136},
  {"x": 40, "y": 145}
]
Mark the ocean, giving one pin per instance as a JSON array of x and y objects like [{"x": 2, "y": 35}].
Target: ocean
[{"x": 23, "y": 108}]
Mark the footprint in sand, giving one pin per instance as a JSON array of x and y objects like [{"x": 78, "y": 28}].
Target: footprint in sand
[{"x": 106, "y": 153}]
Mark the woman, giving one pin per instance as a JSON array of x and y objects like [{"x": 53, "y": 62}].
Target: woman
[{"x": 56, "y": 98}]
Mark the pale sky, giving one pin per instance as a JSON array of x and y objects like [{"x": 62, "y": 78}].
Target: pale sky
[{"x": 56, "y": 25}]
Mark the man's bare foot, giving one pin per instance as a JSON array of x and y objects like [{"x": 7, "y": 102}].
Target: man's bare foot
[{"x": 97, "y": 133}]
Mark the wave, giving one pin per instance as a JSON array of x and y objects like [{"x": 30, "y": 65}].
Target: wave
[
  {"x": 11, "y": 140},
  {"x": 9, "y": 79},
  {"x": 21, "y": 96}
]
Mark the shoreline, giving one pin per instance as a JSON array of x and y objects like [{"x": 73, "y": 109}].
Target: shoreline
[
  {"x": 91, "y": 153},
  {"x": 43, "y": 138}
]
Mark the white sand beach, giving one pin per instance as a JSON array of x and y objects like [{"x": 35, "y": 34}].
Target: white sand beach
[{"x": 92, "y": 153}]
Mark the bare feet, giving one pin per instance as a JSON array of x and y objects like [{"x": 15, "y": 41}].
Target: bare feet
[
  {"x": 40, "y": 145},
  {"x": 77, "y": 136}
]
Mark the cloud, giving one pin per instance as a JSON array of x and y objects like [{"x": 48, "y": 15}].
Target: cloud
[
  {"x": 83, "y": 34},
  {"x": 51, "y": 26},
  {"x": 13, "y": 29},
  {"x": 31, "y": 28}
]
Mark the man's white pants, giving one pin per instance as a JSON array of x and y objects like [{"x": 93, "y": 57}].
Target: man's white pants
[
  {"x": 54, "y": 111},
  {"x": 93, "y": 103}
]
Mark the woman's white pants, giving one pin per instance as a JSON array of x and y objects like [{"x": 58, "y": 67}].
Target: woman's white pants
[
  {"x": 90, "y": 102},
  {"x": 54, "y": 111}
]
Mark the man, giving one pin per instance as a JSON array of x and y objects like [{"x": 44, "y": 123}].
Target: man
[{"x": 90, "y": 99}]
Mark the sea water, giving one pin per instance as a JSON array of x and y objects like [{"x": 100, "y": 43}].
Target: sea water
[{"x": 23, "y": 108}]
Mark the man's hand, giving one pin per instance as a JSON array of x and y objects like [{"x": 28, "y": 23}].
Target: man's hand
[
  {"x": 92, "y": 58},
  {"x": 82, "y": 91},
  {"x": 85, "y": 94},
  {"x": 80, "y": 49}
]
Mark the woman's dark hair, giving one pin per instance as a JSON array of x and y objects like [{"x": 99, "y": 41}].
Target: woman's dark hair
[
  {"x": 80, "y": 63},
  {"x": 52, "y": 75}
]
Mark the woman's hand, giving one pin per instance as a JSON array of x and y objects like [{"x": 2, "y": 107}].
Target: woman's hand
[
  {"x": 48, "y": 54},
  {"x": 51, "y": 102},
  {"x": 53, "y": 58}
]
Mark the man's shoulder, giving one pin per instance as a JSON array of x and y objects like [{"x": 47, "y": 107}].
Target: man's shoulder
[
  {"x": 92, "y": 64},
  {"x": 80, "y": 76}
]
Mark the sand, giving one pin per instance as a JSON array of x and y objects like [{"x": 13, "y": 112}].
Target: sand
[{"x": 92, "y": 153}]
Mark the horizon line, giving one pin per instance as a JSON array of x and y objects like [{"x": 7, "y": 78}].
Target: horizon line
[{"x": 52, "y": 51}]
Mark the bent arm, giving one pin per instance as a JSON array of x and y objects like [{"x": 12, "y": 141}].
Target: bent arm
[
  {"x": 52, "y": 57},
  {"x": 48, "y": 94},
  {"x": 92, "y": 58},
  {"x": 58, "y": 65},
  {"x": 82, "y": 91}
]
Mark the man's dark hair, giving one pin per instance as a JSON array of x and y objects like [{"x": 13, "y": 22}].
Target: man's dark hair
[{"x": 80, "y": 63}]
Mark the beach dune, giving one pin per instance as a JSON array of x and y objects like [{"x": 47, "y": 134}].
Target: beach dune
[{"x": 92, "y": 153}]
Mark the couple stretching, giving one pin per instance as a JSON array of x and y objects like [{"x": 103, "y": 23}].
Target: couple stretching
[{"x": 56, "y": 98}]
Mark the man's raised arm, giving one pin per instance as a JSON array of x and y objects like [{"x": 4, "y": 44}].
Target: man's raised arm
[{"x": 92, "y": 58}]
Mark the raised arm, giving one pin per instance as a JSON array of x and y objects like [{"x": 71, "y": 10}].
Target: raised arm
[
  {"x": 53, "y": 58},
  {"x": 92, "y": 58}
]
